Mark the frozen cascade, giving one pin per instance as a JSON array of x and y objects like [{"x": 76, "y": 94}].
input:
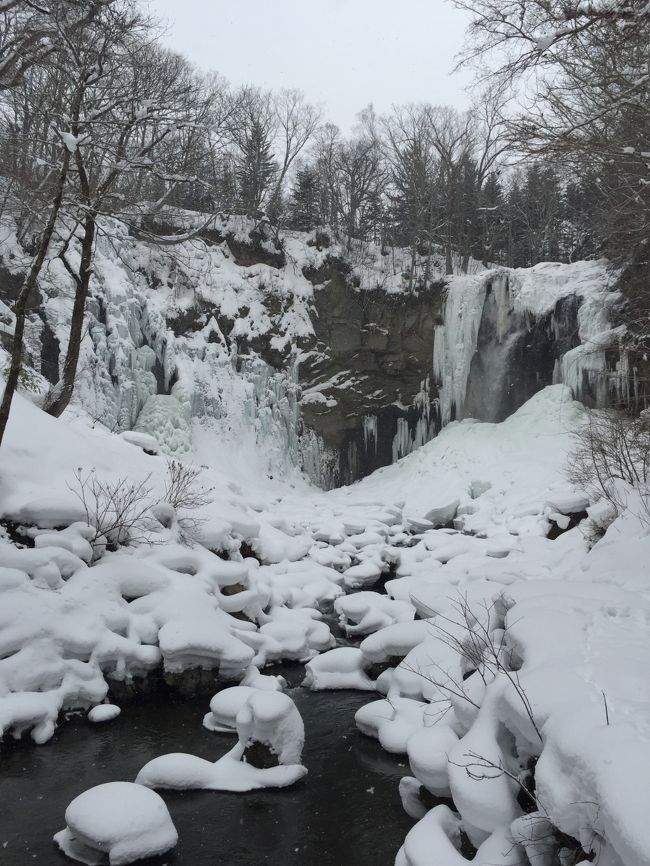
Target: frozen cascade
[
  {"x": 370, "y": 432},
  {"x": 456, "y": 341},
  {"x": 584, "y": 369},
  {"x": 520, "y": 299},
  {"x": 407, "y": 439},
  {"x": 184, "y": 382}
]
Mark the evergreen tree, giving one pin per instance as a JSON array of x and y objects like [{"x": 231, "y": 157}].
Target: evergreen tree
[
  {"x": 255, "y": 166},
  {"x": 304, "y": 209}
]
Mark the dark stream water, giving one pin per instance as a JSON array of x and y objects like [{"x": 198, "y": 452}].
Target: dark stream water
[{"x": 346, "y": 812}]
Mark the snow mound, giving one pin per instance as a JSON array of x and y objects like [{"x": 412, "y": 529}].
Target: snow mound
[
  {"x": 265, "y": 718},
  {"x": 104, "y": 713},
  {"x": 118, "y": 819},
  {"x": 340, "y": 668}
]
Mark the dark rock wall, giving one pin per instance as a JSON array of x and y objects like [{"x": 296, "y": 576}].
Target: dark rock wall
[{"x": 370, "y": 362}]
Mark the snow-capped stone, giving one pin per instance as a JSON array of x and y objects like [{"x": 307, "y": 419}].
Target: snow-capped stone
[
  {"x": 340, "y": 668},
  {"x": 103, "y": 713},
  {"x": 145, "y": 441},
  {"x": 118, "y": 820},
  {"x": 267, "y": 719},
  {"x": 441, "y": 515}
]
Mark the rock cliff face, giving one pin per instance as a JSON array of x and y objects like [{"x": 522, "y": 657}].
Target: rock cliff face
[
  {"x": 327, "y": 361},
  {"x": 366, "y": 378}
]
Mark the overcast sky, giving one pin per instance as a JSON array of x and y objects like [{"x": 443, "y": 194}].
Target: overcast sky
[{"x": 341, "y": 53}]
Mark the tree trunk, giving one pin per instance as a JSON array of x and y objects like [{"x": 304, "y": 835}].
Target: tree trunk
[
  {"x": 62, "y": 393},
  {"x": 449, "y": 261},
  {"x": 20, "y": 308}
]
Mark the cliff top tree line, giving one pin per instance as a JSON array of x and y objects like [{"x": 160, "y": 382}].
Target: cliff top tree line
[{"x": 551, "y": 161}]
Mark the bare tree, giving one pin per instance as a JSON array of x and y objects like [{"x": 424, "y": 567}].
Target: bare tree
[
  {"x": 453, "y": 138},
  {"x": 51, "y": 186},
  {"x": 31, "y": 33},
  {"x": 297, "y": 121},
  {"x": 116, "y": 133},
  {"x": 582, "y": 72}
]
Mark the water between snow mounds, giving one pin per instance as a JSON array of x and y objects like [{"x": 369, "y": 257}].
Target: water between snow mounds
[{"x": 346, "y": 812}]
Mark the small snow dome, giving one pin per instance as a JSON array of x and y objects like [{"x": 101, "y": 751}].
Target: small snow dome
[
  {"x": 103, "y": 713},
  {"x": 123, "y": 820}
]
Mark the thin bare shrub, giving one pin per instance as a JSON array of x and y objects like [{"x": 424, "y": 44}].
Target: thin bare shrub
[
  {"x": 117, "y": 510},
  {"x": 184, "y": 493},
  {"x": 611, "y": 456},
  {"x": 471, "y": 634},
  {"x": 182, "y": 489}
]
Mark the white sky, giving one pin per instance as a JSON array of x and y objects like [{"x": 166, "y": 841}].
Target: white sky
[{"x": 343, "y": 54}]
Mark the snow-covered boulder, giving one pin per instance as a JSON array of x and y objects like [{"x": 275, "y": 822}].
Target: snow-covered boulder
[
  {"x": 444, "y": 513},
  {"x": 392, "y": 722},
  {"x": 365, "y": 573},
  {"x": 124, "y": 821},
  {"x": 103, "y": 713},
  {"x": 340, "y": 668},
  {"x": 148, "y": 443},
  {"x": 269, "y": 727},
  {"x": 367, "y": 612},
  {"x": 224, "y": 707}
]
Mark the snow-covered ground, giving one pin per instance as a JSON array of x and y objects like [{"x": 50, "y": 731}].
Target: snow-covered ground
[{"x": 511, "y": 668}]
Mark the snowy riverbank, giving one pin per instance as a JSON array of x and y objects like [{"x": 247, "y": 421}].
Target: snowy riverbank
[{"x": 513, "y": 665}]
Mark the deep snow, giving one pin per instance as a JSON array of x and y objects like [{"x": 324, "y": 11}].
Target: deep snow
[{"x": 524, "y": 647}]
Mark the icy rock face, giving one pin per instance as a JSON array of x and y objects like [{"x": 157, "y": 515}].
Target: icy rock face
[
  {"x": 162, "y": 353},
  {"x": 322, "y": 360},
  {"x": 508, "y": 333},
  {"x": 124, "y": 821},
  {"x": 366, "y": 379}
]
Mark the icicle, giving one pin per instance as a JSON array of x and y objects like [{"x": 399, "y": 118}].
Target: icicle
[{"x": 370, "y": 432}]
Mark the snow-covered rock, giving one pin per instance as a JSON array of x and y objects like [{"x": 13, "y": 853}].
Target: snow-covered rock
[
  {"x": 340, "y": 668},
  {"x": 103, "y": 713},
  {"x": 118, "y": 820},
  {"x": 266, "y": 718}
]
